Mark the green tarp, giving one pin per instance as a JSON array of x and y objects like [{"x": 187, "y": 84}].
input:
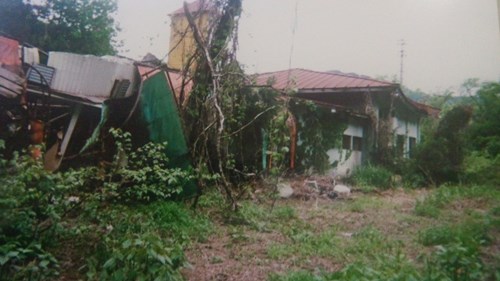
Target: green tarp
[{"x": 164, "y": 124}]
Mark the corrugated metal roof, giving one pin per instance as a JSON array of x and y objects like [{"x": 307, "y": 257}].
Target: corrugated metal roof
[
  {"x": 303, "y": 79},
  {"x": 196, "y": 7},
  {"x": 89, "y": 77}
]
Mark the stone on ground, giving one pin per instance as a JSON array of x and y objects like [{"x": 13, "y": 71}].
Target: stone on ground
[
  {"x": 285, "y": 190},
  {"x": 342, "y": 190}
]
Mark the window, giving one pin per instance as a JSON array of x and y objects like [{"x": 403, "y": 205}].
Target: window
[
  {"x": 400, "y": 145},
  {"x": 357, "y": 143},
  {"x": 412, "y": 145},
  {"x": 346, "y": 142},
  {"x": 352, "y": 143}
]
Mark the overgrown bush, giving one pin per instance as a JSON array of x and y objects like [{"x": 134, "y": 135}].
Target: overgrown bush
[
  {"x": 141, "y": 256},
  {"x": 371, "y": 177},
  {"x": 455, "y": 262},
  {"x": 36, "y": 206},
  {"x": 32, "y": 201},
  {"x": 145, "y": 242},
  {"x": 439, "y": 158},
  {"x": 143, "y": 174},
  {"x": 482, "y": 169}
]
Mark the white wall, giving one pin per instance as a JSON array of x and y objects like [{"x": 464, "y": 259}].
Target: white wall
[
  {"x": 407, "y": 129},
  {"x": 348, "y": 160}
]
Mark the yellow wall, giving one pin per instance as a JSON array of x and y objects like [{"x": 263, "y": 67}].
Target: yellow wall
[{"x": 182, "y": 43}]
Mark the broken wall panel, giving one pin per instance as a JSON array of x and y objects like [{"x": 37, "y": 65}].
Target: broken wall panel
[
  {"x": 89, "y": 77},
  {"x": 11, "y": 80}
]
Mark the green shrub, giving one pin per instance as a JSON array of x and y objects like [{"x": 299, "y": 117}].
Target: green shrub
[
  {"x": 32, "y": 201},
  {"x": 178, "y": 222},
  {"x": 455, "y": 262},
  {"x": 19, "y": 261},
  {"x": 370, "y": 176},
  {"x": 440, "y": 155},
  {"x": 144, "y": 242},
  {"x": 482, "y": 169},
  {"x": 142, "y": 175},
  {"x": 143, "y": 256}
]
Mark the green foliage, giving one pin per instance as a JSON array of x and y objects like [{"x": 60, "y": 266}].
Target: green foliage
[
  {"x": 484, "y": 133},
  {"x": 440, "y": 156},
  {"x": 79, "y": 26},
  {"x": 431, "y": 205},
  {"x": 142, "y": 175},
  {"x": 372, "y": 177},
  {"x": 32, "y": 203},
  {"x": 470, "y": 232},
  {"x": 137, "y": 242},
  {"x": 456, "y": 262},
  {"x": 296, "y": 276},
  {"x": 21, "y": 261},
  {"x": 386, "y": 267},
  {"x": 453, "y": 262},
  {"x": 319, "y": 131},
  {"x": 145, "y": 242},
  {"x": 253, "y": 119},
  {"x": 482, "y": 169},
  {"x": 143, "y": 256},
  {"x": 305, "y": 244}
]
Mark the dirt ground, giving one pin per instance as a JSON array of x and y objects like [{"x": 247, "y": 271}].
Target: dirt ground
[{"x": 242, "y": 253}]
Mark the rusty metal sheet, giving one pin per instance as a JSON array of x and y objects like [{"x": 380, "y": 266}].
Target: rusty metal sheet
[{"x": 11, "y": 79}]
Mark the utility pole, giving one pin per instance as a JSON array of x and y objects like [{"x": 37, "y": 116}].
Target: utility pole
[{"x": 403, "y": 43}]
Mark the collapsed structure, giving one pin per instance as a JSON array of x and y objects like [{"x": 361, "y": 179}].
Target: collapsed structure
[{"x": 69, "y": 101}]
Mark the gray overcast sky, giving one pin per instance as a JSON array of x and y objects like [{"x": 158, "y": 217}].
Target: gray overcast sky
[{"x": 447, "y": 41}]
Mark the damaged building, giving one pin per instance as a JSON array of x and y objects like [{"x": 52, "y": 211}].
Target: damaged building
[
  {"x": 377, "y": 113},
  {"x": 68, "y": 102}
]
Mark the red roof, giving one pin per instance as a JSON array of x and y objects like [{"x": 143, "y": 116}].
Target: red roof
[
  {"x": 303, "y": 79},
  {"x": 431, "y": 111},
  {"x": 195, "y": 7}
]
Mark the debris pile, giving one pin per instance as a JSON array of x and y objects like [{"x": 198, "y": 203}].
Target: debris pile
[{"x": 314, "y": 187}]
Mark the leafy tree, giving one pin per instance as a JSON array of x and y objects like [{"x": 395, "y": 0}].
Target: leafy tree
[
  {"x": 79, "y": 26},
  {"x": 483, "y": 161},
  {"x": 440, "y": 156},
  {"x": 485, "y": 131}
]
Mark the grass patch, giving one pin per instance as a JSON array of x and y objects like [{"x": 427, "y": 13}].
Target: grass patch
[
  {"x": 304, "y": 243},
  {"x": 363, "y": 203},
  {"x": 371, "y": 177},
  {"x": 471, "y": 232},
  {"x": 262, "y": 219},
  {"x": 431, "y": 205}
]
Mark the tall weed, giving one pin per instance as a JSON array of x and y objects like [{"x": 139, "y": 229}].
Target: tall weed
[{"x": 372, "y": 177}]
